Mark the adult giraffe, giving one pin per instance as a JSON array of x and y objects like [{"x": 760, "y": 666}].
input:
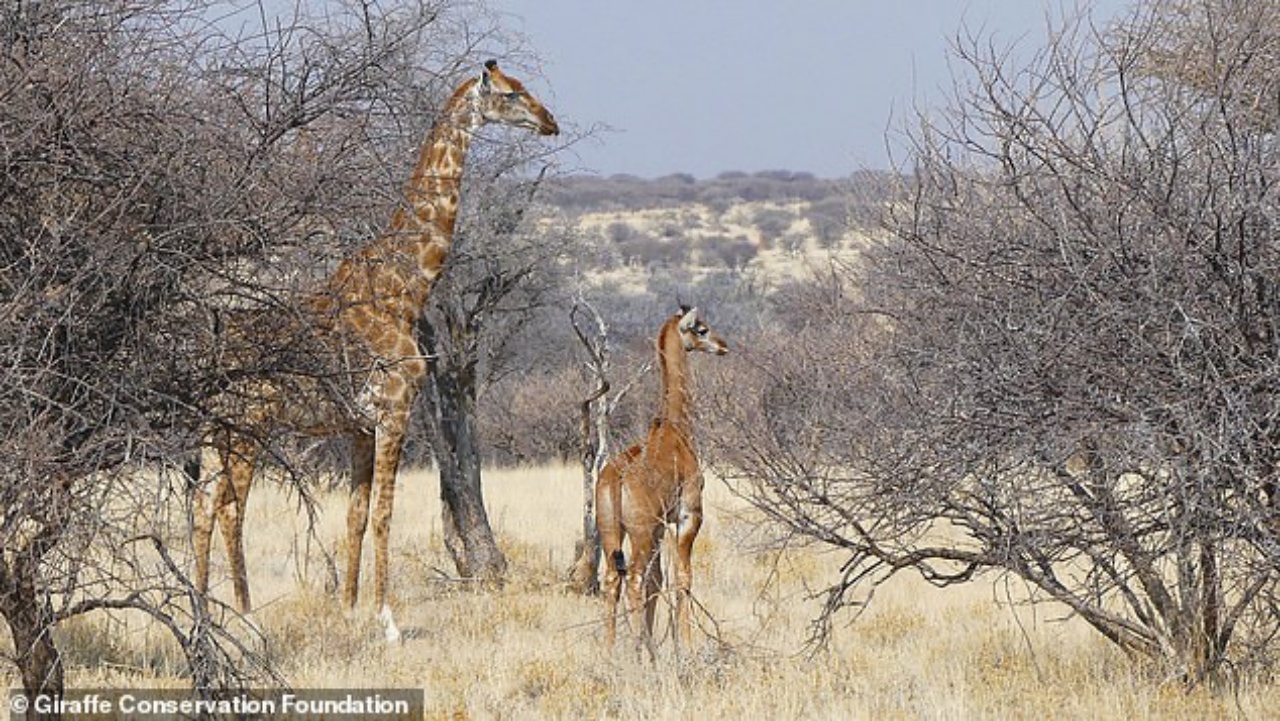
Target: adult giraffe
[
  {"x": 649, "y": 485},
  {"x": 364, "y": 314}
]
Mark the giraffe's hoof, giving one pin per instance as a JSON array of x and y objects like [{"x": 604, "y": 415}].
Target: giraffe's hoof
[{"x": 389, "y": 626}]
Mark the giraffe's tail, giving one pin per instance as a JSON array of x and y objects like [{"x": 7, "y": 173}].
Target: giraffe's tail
[
  {"x": 619, "y": 562},
  {"x": 191, "y": 467}
]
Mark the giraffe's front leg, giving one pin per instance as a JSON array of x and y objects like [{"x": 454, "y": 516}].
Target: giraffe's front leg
[
  {"x": 385, "y": 464},
  {"x": 688, "y": 522}
]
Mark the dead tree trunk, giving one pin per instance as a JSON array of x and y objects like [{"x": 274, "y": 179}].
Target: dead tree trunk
[
  {"x": 451, "y": 400},
  {"x": 584, "y": 573},
  {"x": 31, "y": 622}
]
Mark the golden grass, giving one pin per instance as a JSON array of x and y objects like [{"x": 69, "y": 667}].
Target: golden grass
[{"x": 531, "y": 649}]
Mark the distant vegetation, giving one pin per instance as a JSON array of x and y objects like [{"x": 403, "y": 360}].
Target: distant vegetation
[
  {"x": 592, "y": 194},
  {"x": 683, "y": 224}
]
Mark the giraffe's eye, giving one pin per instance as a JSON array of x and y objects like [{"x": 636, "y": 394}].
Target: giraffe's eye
[
  {"x": 701, "y": 330},
  {"x": 512, "y": 96}
]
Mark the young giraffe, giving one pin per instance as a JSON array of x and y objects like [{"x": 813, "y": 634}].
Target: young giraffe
[
  {"x": 645, "y": 487},
  {"x": 366, "y": 313}
]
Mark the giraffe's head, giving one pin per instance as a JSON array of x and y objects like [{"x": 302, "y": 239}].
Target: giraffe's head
[
  {"x": 695, "y": 334},
  {"x": 503, "y": 99}
]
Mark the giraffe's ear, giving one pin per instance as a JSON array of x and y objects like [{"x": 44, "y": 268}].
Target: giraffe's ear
[
  {"x": 486, "y": 79},
  {"x": 689, "y": 319}
]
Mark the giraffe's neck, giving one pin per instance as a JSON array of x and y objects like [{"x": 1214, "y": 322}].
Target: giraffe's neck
[
  {"x": 423, "y": 226},
  {"x": 379, "y": 292},
  {"x": 673, "y": 361}
]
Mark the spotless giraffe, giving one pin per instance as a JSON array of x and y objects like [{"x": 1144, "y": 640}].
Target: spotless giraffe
[{"x": 649, "y": 485}]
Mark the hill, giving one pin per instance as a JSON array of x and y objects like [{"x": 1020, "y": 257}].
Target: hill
[{"x": 768, "y": 220}]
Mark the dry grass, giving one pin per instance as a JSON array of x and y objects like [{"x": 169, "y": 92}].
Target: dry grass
[{"x": 531, "y": 650}]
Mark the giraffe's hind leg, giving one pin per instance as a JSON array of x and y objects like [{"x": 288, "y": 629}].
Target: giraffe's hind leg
[
  {"x": 357, "y": 513},
  {"x": 644, "y": 583},
  {"x": 239, "y": 464},
  {"x": 220, "y": 497},
  {"x": 207, "y": 489},
  {"x": 653, "y": 579},
  {"x": 609, "y": 525}
]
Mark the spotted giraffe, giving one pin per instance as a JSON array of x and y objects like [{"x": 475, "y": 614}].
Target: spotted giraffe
[{"x": 364, "y": 313}]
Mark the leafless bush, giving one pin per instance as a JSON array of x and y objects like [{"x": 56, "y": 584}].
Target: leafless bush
[
  {"x": 1064, "y": 365},
  {"x": 156, "y": 175},
  {"x": 534, "y": 418},
  {"x": 772, "y": 223},
  {"x": 734, "y": 253},
  {"x": 829, "y": 220}
]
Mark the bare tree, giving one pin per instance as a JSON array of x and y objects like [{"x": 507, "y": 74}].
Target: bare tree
[
  {"x": 109, "y": 173},
  {"x": 160, "y": 173},
  {"x": 1063, "y": 365}
]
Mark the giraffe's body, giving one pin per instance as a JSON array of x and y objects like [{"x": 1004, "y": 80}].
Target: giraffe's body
[
  {"x": 364, "y": 315},
  {"x": 649, "y": 485}
]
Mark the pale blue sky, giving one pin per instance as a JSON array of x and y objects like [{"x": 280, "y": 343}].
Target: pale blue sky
[{"x": 705, "y": 86}]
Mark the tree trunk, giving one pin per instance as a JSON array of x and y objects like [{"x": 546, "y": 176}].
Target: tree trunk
[
  {"x": 594, "y": 409},
  {"x": 1209, "y": 649},
  {"x": 30, "y": 622},
  {"x": 584, "y": 575},
  {"x": 467, "y": 534}
]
